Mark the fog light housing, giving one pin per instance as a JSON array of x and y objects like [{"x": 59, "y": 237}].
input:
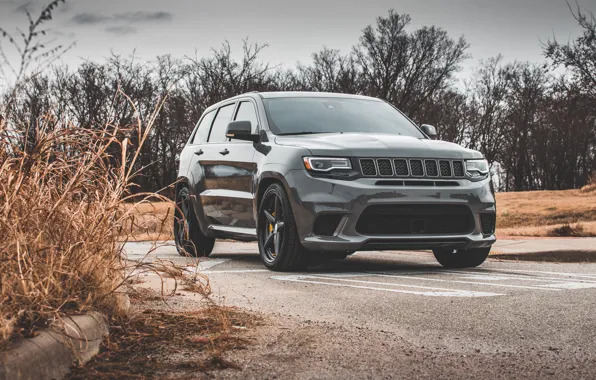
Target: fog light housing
[
  {"x": 326, "y": 224},
  {"x": 488, "y": 222}
]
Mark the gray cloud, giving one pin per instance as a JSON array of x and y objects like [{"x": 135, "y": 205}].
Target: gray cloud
[
  {"x": 121, "y": 30},
  {"x": 142, "y": 16},
  {"x": 128, "y": 17},
  {"x": 89, "y": 19}
]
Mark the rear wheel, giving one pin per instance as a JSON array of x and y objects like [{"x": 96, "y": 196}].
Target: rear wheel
[
  {"x": 190, "y": 241},
  {"x": 279, "y": 244},
  {"x": 461, "y": 258}
]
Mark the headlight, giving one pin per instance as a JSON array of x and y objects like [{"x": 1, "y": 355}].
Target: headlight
[
  {"x": 477, "y": 168},
  {"x": 325, "y": 164}
]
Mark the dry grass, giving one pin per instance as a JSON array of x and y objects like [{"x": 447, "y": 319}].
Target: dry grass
[
  {"x": 152, "y": 221},
  {"x": 63, "y": 214},
  {"x": 550, "y": 256},
  {"x": 588, "y": 230},
  {"x": 590, "y": 187},
  {"x": 157, "y": 344},
  {"x": 568, "y": 230},
  {"x": 537, "y": 213}
]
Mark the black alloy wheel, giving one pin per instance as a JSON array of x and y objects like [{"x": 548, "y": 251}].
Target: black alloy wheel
[{"x": 279, "y": 244}]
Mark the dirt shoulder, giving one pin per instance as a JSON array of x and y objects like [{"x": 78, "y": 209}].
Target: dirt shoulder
[{"x": 174, "y": 338}]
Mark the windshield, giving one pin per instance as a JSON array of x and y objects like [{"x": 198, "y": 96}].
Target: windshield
[{"x": 327, "y": 115}]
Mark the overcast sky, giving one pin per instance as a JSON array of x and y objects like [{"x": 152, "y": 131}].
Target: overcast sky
[{"x": 293, "y": 29}]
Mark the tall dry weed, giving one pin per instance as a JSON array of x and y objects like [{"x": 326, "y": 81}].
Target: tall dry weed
[
  {"x": 63, "y": 191},
  {"x": 66, "y": 201}
]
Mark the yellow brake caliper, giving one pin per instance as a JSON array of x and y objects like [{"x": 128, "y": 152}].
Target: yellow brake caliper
[{"x": 271, "y": 228}]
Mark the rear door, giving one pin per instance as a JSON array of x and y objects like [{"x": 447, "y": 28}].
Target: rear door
[
  {"x": 232, "y": 170},
  {"x": 203, "y": 167}
]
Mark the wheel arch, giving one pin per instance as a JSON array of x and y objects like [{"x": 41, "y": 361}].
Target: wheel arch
[
  {"x": 196, "y": 207},
  {"x": 179, "y": 184},
  {"x": 265, "y": 180}
]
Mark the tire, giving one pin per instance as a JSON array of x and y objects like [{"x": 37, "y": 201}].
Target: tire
[
  {"x": 190, "y": 241},
  {"x": 461, "y": 258},
  {"x": 279, "y": 244}
]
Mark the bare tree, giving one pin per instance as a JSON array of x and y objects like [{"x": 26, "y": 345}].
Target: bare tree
[
  {"x": 407, "y": 69},
  {"x": 331, "y": 72},
  {"x": 487, "y": 97},
  {"x": 579, "y": 55}
]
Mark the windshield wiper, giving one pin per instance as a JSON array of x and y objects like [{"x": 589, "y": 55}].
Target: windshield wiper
[{"x": 302, "y": 133}]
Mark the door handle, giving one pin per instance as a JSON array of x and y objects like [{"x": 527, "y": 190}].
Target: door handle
[
  {"x": 224, "y": 152},
  {"x": 199, "y": 152}
]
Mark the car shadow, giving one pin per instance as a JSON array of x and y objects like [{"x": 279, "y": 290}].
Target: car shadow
[
  {"x": 373, "y": 264},
  {"x": 238, "y": 257},
  {"x": 360, "y": 263}
]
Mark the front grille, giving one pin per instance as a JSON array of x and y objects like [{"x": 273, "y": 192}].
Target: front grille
[
  {"x": 488, "y": 222},
  {"x": 401, "y": 167},
  {"x": 385, "y": 168},
  {"x": 415, "y": 220},
  {"x": 414, "y": 167},
  {"x": 431, "y": 168},
  {"x": 445, "y": 168},
  {"x": 458, "y": 169},
  {"x": 368, "y": 167}
]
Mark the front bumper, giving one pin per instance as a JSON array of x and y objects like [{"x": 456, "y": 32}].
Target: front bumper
[{"x": 311, "y": 197}]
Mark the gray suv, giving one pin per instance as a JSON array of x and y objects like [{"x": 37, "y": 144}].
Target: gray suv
[{"x": 318, "y": 176}]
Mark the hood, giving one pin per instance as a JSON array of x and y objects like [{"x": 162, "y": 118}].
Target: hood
[{"x": 376, "y": 145}]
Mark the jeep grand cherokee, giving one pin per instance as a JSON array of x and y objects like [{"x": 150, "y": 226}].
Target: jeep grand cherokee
[{"x": 319, "y": 176}]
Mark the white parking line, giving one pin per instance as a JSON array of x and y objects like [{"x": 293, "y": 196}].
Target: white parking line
[
  {"x": 571, "y": 285},
  {"x": 235, "y": 271},
  {"x": 514, "y": 276},
  {"x": 582, "y": 275},
  {"x": 438, "y": 292},
  {"x": 463, "y": 282}
]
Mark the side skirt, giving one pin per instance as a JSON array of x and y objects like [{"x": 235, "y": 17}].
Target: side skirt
[{"x": 236, "y": 233}]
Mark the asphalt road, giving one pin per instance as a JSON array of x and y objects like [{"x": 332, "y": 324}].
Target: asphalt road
[{"x": 502, "y": 306}]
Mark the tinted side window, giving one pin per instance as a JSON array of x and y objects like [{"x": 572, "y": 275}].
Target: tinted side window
[
  {"x": 223, "y": 118},
  {"x": 203, "y": 129},
  {"x": 246, "y": 111}
]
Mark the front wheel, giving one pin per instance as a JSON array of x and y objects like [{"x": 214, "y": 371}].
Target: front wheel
[
  {"x": 279, "y": 244},
  {"x": 190, "y": 241},
  {"x": 461, "y": 258}
]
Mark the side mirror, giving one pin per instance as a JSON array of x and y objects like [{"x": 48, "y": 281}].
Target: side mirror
[
  {"x": 429, "y": 130},
  {"x": 241, "y": 130}
]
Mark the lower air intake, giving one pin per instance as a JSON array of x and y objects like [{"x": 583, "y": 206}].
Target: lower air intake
[{"x": 415, "y": 220}]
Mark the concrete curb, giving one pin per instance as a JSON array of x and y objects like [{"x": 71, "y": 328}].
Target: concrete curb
[{"x": 51, "y": 354}]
